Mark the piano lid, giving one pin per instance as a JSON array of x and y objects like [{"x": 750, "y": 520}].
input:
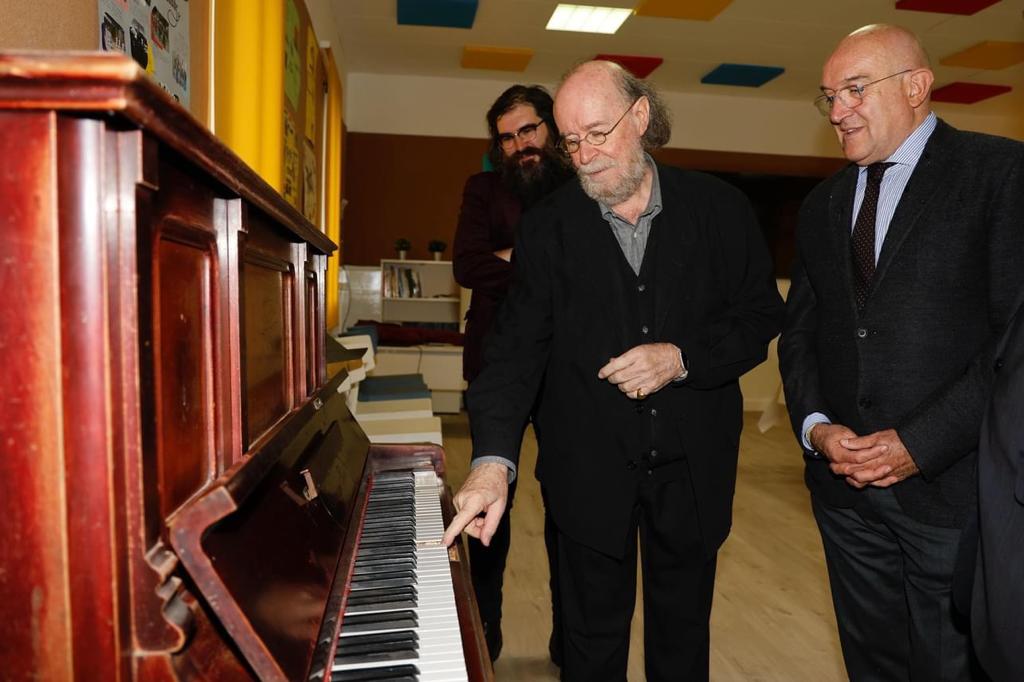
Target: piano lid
[{"x": 263, "y": 544}]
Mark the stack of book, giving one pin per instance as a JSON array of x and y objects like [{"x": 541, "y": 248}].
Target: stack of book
[{"x": 401, "y": 282}]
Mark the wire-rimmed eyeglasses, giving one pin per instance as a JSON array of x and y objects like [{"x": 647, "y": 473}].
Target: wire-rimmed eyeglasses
[
  {"x": 850, "y": 96},
  {"x": 595, "y": 138},
  {"x": 527, "y": 133}
]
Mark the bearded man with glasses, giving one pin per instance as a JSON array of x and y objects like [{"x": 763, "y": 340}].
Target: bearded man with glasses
[
  {"x": 640, "y": 294},
  {"x": 908, "y": 266}
]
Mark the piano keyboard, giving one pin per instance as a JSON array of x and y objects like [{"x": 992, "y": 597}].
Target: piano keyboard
[{"x": 400, "y": 619}]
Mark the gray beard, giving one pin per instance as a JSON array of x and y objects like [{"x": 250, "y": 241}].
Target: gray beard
[{"x": 629, "y": 183}]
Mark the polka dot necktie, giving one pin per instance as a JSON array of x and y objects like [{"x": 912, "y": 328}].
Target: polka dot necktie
[{"x": 862, "y": 242}]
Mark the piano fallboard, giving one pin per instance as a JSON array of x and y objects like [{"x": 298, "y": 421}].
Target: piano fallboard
[{"x": 273, "y": 548}]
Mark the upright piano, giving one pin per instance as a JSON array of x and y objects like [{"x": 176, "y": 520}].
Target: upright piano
[{"x": 183, "y": 493}]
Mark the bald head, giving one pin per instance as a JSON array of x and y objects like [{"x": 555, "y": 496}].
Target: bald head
[
  {"x": 599, "y": 73},
  {"x": 879, "y": 83},
  {"x": 898, "y": 44},
  {"x": 617, "y": 85}
]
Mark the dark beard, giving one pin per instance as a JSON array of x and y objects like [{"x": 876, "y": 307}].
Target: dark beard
[{"x": 535, "y": 179}]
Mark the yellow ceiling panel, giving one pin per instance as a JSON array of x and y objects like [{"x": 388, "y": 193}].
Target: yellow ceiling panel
[
  {"x": 496, "y": 58},
  {"x": 990, "y": 54},
  {"x": 696, "y": 10}
]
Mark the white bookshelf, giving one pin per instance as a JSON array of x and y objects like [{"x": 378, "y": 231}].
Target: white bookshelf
[{"x": 437, "y": 297}]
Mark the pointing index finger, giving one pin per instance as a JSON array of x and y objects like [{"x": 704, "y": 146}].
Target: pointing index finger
[{"x": 461, "y": 520}]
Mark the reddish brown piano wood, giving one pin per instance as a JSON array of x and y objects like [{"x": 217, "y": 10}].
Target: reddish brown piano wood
[
  {"x": 162, "y": 359},
  {"x": 122, "y": 338}
]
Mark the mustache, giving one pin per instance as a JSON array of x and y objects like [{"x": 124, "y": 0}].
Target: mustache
[
  {"x": 596, "y": 166},
  {"x": 524, "y": 152}
]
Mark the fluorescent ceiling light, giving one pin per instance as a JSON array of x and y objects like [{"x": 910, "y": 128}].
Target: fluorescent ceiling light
[{"x": 587, "y": 19}]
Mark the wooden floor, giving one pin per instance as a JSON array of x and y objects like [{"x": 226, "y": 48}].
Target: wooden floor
[{"x": 772, "y": 618}]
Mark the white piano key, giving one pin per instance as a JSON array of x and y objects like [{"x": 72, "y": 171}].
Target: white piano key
[{"x": 440, "y": 657}]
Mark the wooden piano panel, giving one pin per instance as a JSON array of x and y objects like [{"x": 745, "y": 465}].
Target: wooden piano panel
[
  {"x": 268, "y": 312},
  {"x": 315, "y": 352},
  {"x": 185, "y": 325},
  {"x": 184, "y": 349},
  {"x": 34, "y": 594}
]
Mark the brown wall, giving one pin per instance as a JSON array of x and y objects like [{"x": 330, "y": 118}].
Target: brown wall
[
  {"x": 75, "y": 25},
  {"x": 403, "y": 186},
  {"x": 411, "y": 186}
]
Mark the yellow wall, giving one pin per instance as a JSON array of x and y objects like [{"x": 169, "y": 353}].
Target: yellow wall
[{"x": 332, "y": 181}]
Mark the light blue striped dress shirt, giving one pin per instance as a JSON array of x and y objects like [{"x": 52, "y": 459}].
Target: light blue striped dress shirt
[{"x": 894, "y": 182}]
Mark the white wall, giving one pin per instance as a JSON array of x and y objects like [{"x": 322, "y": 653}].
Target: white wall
[{"x": 455, "y": 107}]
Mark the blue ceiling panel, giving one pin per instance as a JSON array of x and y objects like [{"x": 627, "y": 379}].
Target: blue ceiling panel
[
  {"x": 746, "y": 75},
  {"x": 447, "y": 13}
]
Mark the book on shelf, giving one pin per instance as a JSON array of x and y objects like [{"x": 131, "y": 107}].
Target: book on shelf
[{"x": 402, "y": 282}]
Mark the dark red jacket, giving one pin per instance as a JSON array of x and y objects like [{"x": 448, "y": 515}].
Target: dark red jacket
[{"x": 487, "y": 222}]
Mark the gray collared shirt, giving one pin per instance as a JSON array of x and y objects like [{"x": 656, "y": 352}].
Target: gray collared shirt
[{"x": 633, "y": 238}]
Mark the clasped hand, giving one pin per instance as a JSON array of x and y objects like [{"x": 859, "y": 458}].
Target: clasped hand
[
  {"x": 484, "y": 492},
  {"x": 643, "y": 370},
  {"x": 878, "y": 459}
]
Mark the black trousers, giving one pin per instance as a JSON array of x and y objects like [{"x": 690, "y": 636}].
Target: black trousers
[
  {"x": 891, "y": 579},
  {"x": 599, "y": 591}
]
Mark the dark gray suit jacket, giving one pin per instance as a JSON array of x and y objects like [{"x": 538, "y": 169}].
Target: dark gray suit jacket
[
  {"x": 947, "y": 278},
  {"x": 997, "y": 606}
]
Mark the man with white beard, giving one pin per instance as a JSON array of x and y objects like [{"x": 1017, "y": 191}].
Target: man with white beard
[{"x": 640, "y": 295}]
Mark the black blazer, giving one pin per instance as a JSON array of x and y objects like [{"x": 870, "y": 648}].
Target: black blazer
[
  {"x": 946, "y": 281},
  {"x": 997, "y": 616},
  {"x": 707, "y": 282},
  {"x": 487, "y": 222}
]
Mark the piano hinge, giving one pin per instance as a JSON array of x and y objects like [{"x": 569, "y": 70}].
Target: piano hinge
[{"x": 309, "y": 492}]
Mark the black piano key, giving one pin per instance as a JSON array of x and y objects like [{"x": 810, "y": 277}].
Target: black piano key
[
  {"x": 395, "y": 605},
  {"x": 379, "y": 637},
  {"x": 391, "y": 527},
  {"x": 391, "y": 582},
  {"x": 401, "y": 539},
  {"x": 389, "y": 575},
  {"x": 398, "y": 654},
  {"x": 380, "y": 594},
  {"x": 371, "y": 622},
  {"x": 370, "y": 570},
  {"x": 364, "y": 552},
  {"x": 397, "y": 673},
  {"x": 351, "y": 647},
  {"x": 373, "y": 563},
  {"x": 374, "y": 524},
  {"x": 348, "y": 649}
]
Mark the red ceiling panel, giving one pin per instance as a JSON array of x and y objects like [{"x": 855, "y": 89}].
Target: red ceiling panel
[
  {"x": 967, "y": 93},
  {"x": 640, "y": 67},
  {"x": 965, "y": 7}
]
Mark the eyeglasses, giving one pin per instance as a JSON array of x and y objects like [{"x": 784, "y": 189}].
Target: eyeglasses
[
  {"x": 595, "y": 138},
  {"x": 851, "y": 96},
  {"x": 527, "y": 134}
]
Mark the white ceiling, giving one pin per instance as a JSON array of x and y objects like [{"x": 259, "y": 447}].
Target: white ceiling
[{"x": 795, "y": 34}]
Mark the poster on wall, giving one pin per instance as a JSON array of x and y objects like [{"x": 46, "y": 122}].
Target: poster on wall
[{"x": 155, "y": 34}]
